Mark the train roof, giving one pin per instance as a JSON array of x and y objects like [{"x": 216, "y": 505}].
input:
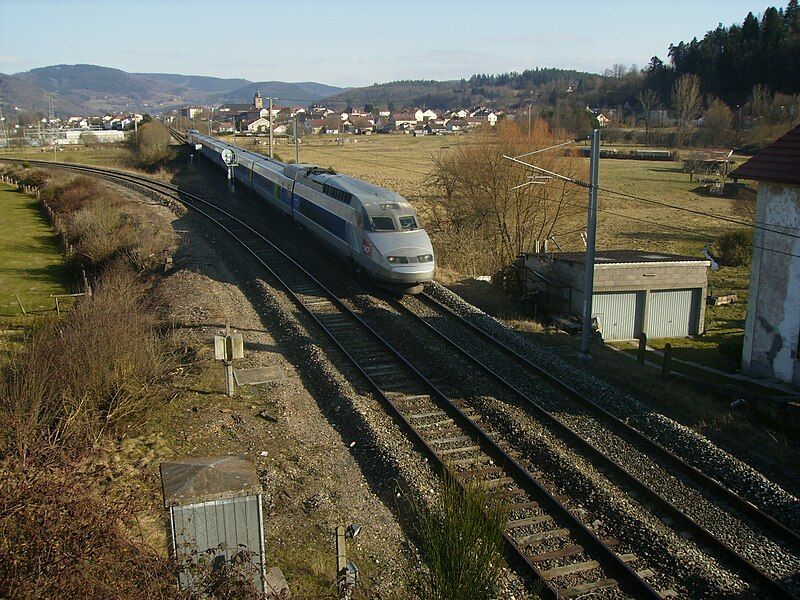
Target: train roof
[{"x": 367, "y": 193}]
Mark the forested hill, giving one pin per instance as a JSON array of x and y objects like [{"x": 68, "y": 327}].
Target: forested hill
[
  {"x": 730, "y": 61},
  {"x": 500, "y": 90}
]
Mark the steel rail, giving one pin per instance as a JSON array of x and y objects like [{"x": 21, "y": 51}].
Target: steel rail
[
  {"x": 766, "y": 520},
  {"x": 627, "y": 578},
  {"x": 701, "y": 534}
]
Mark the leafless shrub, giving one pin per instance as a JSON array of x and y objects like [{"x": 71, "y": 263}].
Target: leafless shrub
[
  {"x": 101, "y": 231},
  {"x": 61, "y": 537},
  {"x": 73, "y": 195},
  {"x": 96, "y": 371},
  {"x": 489, "y": 212}
]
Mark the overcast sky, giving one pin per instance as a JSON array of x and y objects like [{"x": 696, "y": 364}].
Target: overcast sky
[{"x": 352, "y": 42}]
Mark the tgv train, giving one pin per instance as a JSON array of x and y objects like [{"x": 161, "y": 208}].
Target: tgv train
[{"x": 375, "y": 228}]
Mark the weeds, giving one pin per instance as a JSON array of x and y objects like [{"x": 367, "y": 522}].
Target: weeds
[
  {"x": 60, "y": 537},
  {"x": 96, "y": 371},
  {"x": 734, "y": 248},
  {"x": 460, "y": 540}
]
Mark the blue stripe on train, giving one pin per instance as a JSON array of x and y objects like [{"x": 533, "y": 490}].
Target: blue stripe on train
[{"x": 324, "y": 218}]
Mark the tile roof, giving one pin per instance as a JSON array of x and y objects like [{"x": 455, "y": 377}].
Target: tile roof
[{"x": 780, "y": 161}]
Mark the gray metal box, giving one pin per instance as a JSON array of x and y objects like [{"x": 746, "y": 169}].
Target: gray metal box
[{"x": 215, "y": 515}]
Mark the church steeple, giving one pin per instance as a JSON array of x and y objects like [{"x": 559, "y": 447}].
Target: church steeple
[{"x": 257, "y": 100}]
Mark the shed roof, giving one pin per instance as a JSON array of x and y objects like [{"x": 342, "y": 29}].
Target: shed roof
[
  {"x": 780, "y": 161},
  {"x": 623, "y": 256},
  {"x": 194, "y": 480}
]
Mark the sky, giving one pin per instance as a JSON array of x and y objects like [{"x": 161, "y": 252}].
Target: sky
[{"x": 353, "y": 42}]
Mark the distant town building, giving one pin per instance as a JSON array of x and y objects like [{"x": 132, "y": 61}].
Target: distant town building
[
  {"x": 189, "y": 112},
  {"x": 772, "y": 330},
  {"x": 603, "y": 120},
  {"x": 258, "y": 101}
]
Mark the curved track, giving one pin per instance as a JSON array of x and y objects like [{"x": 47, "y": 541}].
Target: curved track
[{"x": 541, "y": 529}]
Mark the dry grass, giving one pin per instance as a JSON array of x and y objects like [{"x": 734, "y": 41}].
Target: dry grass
[
  {"x": 61, "y": 537},
  {"x": 94, "y": 372}
]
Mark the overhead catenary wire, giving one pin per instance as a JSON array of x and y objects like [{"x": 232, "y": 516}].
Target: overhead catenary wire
[{"x": 651, "y": 200}]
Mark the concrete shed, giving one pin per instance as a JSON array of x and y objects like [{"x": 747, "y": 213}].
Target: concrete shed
[
  {"x": 662, "y": 295},
  {"x": 772, "y": 330}
]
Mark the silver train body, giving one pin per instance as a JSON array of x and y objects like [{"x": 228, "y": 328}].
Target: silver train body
[{"x": 374, "y": 228}]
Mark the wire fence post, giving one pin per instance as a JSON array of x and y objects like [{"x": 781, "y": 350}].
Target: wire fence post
[
  {"x": 591, "y": 228},
  {"x": 642, "y": 349},
  {"x": 667, "y": 366}
]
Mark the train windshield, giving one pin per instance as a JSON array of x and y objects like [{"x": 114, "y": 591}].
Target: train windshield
[
  {"x": 383, "y": 224},
  {"x": 408, "y": 223}
]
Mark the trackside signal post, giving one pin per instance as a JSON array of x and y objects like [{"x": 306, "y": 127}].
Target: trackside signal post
[
  {"x": 229, "y": 158},
  {"x": 227, "y": 348},
  {"x": 591, "y": 229}
]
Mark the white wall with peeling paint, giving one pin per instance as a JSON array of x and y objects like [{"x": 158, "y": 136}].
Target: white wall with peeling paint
[{"x": 772, "y": 330}]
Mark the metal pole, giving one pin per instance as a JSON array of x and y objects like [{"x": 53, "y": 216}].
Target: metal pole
[
  {"x": 296, "y": 144},
  {"x": 229, "y": 389},
  {"x": 588, "y": 286},
  {"x": 270, "y": 127},
  {"x": 530, "y": 105}
]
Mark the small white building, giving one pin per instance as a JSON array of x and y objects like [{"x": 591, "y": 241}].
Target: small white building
[
  {"x": 772, "y": 329},
  {"x": 634, "y": 291},
  {"x": 259, "y": 125},
  {"x": 425, "y": 115}
]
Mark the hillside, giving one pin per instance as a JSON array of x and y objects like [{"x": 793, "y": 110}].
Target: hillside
[
  {"x": 286, "y": 93},
  {"x": 82, "y": 89},
  {"x": 502, "y": 90},
  {"x": 17, "y": 92}
]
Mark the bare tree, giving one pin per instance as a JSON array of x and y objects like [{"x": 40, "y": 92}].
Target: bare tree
[
  {"x": 717, "y": 123},
  {"x": 489, "y": 214},
  {"x": 649, "y": 101},
  {"x": 153, "y": 146},
  {"x": 686, "y": 100}
]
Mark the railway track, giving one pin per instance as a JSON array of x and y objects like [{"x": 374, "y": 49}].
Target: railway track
[{"x": 543, "y": 536}]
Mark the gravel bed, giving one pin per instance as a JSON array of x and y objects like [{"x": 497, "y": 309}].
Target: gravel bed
[
  {"x": 772, "y": 558},
  {"x": 692, "y": 447},
  {"x": 607, "y": 506}
]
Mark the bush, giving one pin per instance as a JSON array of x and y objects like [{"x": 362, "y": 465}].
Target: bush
[
  {"x": 153, "y": 145},
  {"x": 461, "y": 542},
  {"x": 96, "y": 371},
  {"x": 101, "y": 232},
  {"x": 73, "y": 195},
  {"x": 61, "y": 537},
  {"x": 734, "y": 249}
]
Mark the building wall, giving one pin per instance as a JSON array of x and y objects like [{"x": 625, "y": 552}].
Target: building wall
[
  {"x": 773, "y": 309},
  {"x": 644, "y": 278}
]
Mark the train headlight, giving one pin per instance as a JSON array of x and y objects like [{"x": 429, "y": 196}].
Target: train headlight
[
  {"x": 397, "y": 260},
  {"x": 425, "y": 258}
]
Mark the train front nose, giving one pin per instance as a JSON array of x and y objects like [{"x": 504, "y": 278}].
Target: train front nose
[{"x": 407, "y": 257}]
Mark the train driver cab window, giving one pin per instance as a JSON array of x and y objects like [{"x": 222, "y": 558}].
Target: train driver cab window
[
  {"x": 383, "y": 224},
  {"x": 408, "y": 223}
]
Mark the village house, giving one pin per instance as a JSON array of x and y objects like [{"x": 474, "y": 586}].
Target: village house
[
  {"x": 772, "y": 329},
  {"x": 260, "y": 125},
  {"x": 454, "y": 125},
  {"x": 602, "y": 120},
  {"x": 425, "y": 115},
  {"x": 189, "y": 112},
  {"x": 314, "y": 126},
  {"x": 402, "y": 121},
  {"x": 362, "y": 125}
]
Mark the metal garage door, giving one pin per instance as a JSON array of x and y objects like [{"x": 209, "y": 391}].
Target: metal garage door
[
  {"x": 669, "y": 313},
  {"x": 616, "y": 315}
]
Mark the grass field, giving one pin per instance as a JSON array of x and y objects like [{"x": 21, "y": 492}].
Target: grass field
[
  {"x": 111, "y": 155},
  {"x": 31, "y": 263}
]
